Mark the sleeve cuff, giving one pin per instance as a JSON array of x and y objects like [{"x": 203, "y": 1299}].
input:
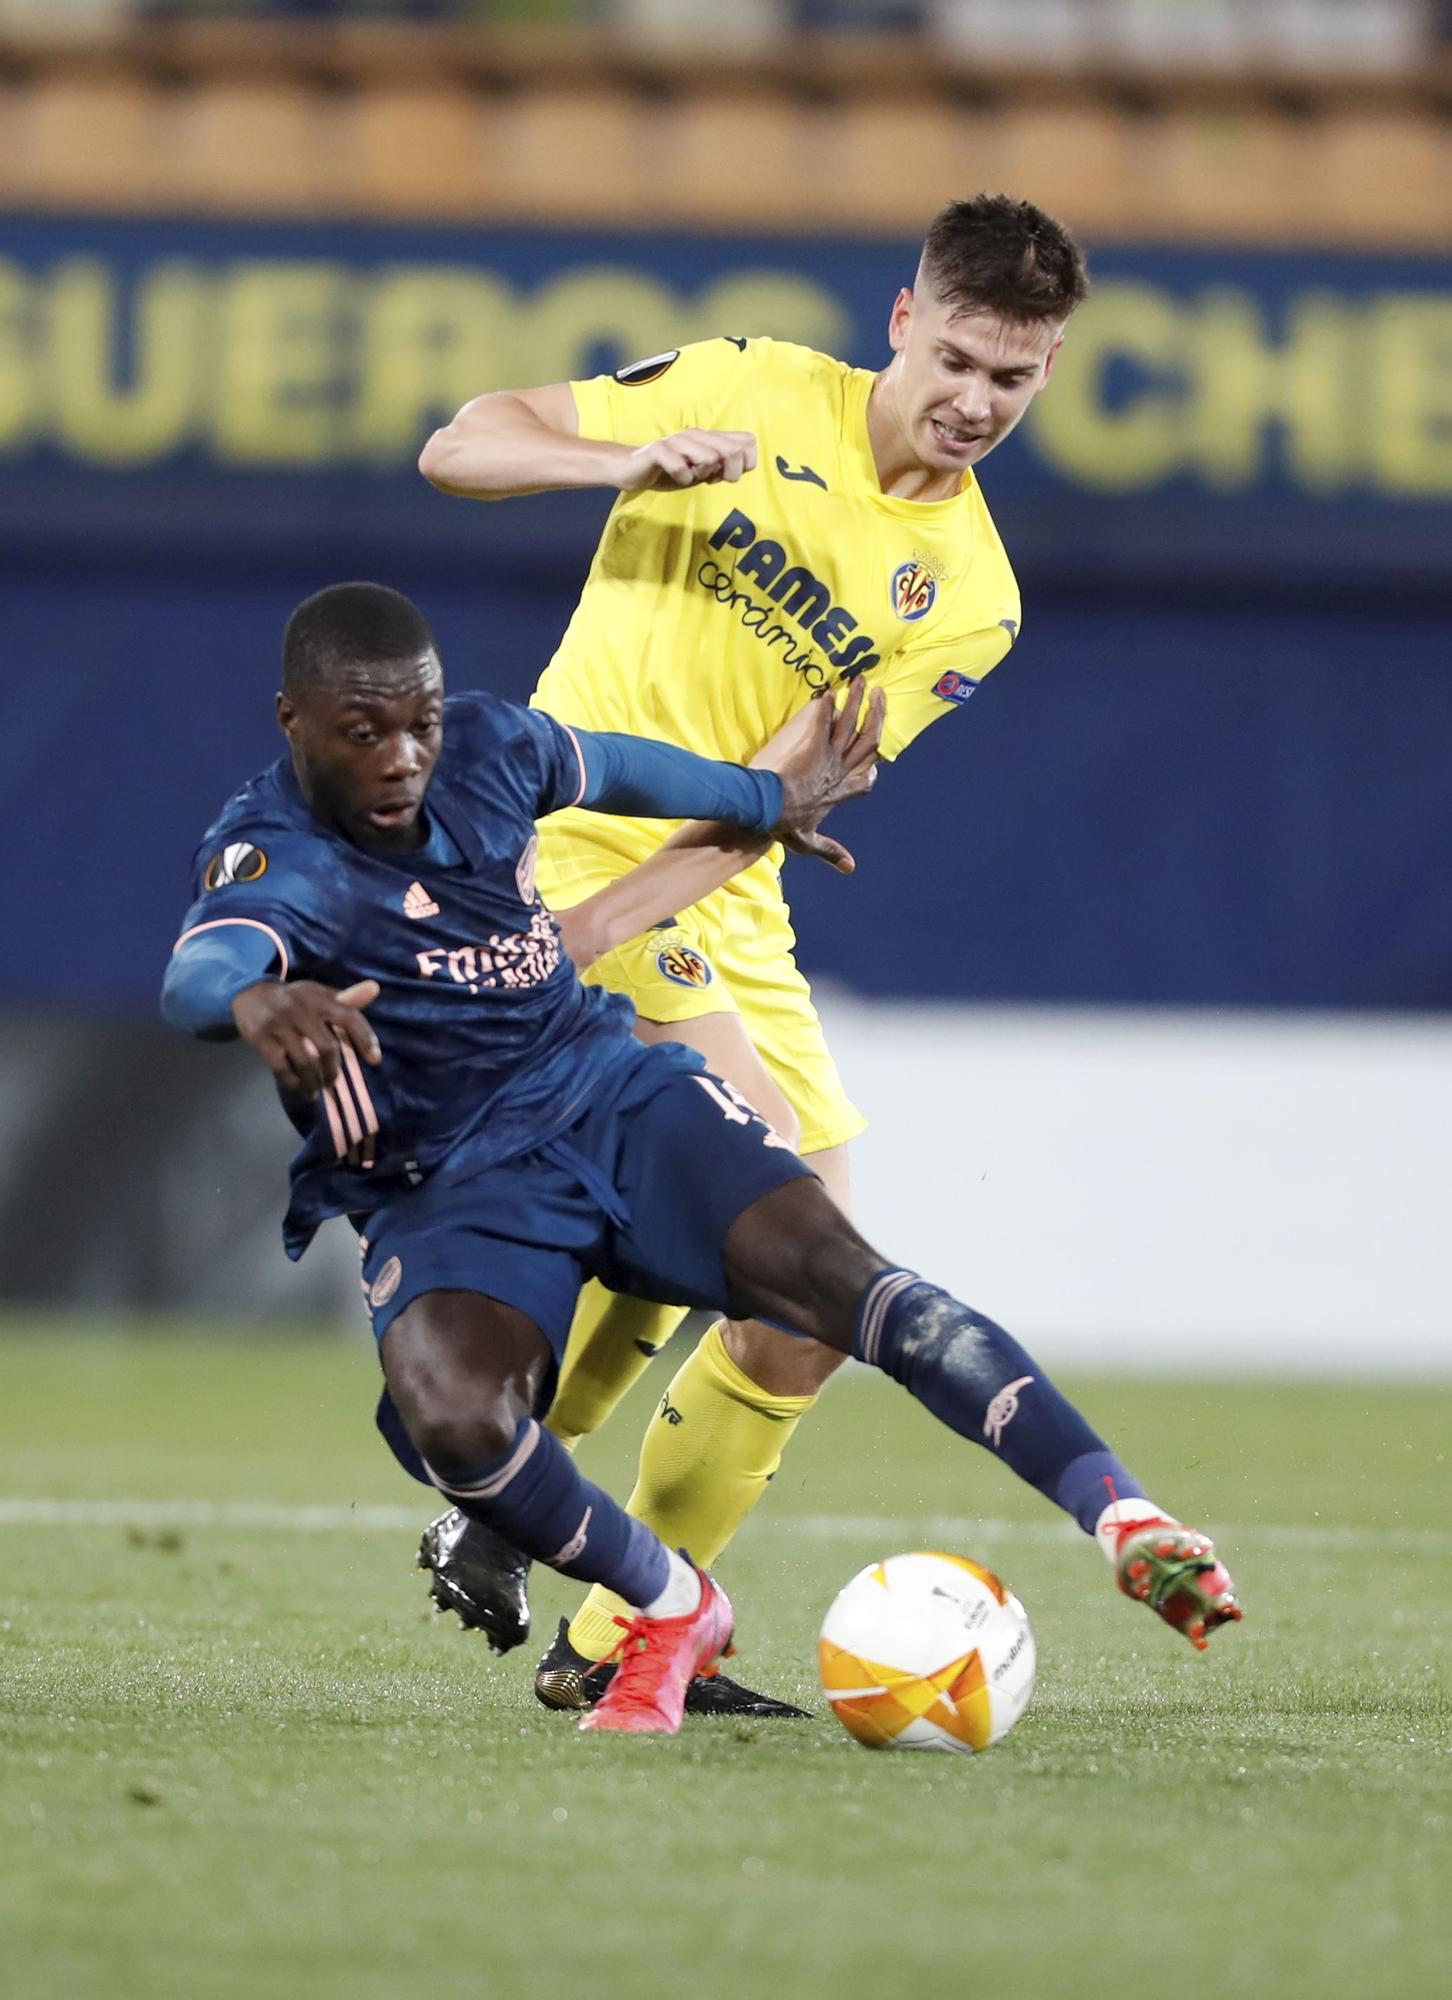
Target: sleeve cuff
[{"x": 772, "y": 793}]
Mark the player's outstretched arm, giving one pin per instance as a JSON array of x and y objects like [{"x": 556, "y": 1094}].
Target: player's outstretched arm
[
  {"x": 305, "y": 1032},
  {"x": 528, "y": 441},
  {"x": 220, "y": 984},
  {"x": 830, "y": 749},
  {"x": 698, "y": 859},
  {"x": 300, "y": 1029}
]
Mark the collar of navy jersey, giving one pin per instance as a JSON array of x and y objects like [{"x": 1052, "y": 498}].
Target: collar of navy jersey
[{"x": 459, "y": 827}]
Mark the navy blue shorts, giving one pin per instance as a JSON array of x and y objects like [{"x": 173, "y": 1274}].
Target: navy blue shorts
[{"x": 639, "y": 1192}]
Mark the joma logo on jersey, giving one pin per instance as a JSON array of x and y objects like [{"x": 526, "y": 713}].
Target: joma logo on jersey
[{"x": 799, "y": 592}]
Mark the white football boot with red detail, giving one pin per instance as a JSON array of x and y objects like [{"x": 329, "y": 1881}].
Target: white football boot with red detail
[
  {"x": 658, "y": 1659},
  {"x": 1171, "y": 1568}
]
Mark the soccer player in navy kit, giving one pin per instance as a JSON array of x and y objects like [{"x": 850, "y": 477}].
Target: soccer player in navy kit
[{"x": 367, "y": 920}]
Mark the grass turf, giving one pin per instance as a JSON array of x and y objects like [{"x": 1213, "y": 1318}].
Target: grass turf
[{"x": 239, "y": 1757}]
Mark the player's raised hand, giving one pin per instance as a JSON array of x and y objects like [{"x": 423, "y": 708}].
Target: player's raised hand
[
  {"x": 823, "y": 755},
  {"x": 688, "y": 458},
  {"x": 301, "y": 1029}
]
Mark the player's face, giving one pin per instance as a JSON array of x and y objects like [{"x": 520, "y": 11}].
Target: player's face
[
  {"x": 963, "y": 379},
  {"x": 364, "y": 747}
]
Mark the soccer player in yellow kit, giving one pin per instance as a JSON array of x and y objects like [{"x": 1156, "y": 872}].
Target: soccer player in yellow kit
[{"x": 786, "y": 524}]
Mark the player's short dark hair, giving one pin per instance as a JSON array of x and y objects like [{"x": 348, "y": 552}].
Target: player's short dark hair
[
  {"x": 1003, "y": 256},
  {"x": 346, "y": 625}
]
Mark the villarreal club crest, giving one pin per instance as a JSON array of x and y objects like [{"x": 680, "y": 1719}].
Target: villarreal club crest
[
  {"x": 684, "y": 966},
  {"x": 913, "y": 591}
]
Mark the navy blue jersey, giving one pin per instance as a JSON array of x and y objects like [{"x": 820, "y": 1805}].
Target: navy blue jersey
[{"x": 490, "y": 1043}]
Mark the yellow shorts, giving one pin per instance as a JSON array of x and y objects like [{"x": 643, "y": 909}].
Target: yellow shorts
[{"x": 729, "y": 954}]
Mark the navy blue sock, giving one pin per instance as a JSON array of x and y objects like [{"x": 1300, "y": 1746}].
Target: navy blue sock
[
  {"x": 982, "y": 1384},
  {"x": 536, "y": 1498}
]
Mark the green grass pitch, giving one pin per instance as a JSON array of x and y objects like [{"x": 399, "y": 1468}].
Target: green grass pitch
[{"x": 239, "y": 1757}]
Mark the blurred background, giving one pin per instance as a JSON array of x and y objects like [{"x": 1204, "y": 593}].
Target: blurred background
[{"x": 1145, "y": 976}]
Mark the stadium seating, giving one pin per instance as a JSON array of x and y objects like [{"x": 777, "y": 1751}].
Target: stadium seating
[{"x": 278, "y": 118}]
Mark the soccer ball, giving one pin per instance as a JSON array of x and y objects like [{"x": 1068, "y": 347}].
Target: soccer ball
[{"x": 927, "y": 1652}]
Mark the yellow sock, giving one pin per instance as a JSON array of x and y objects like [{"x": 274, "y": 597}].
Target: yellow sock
[
  {"x": 708, "y": 1452},
  {"x": 612, "y": 1340}
]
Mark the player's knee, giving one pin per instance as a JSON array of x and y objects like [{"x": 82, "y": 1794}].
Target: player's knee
[
  {"x": 793, "y": 1256},
  {"x": 459, "y": 1416},
  {"x": 834, "y": 1265},
  {"x": 458, "y": 1443}
]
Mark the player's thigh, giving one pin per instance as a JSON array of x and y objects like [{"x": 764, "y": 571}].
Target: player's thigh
[
  {"x": 777, "y": 1011},
  {"x": 793, "y": 1257},
  {"x": 788, "y": 1364},
  {"x": 833, "y": 1169},
  {"x": 755, "y": 951},
  {"x": 682, "y": 991},
  {"x": 692, "y": 1154},
  {"x": 724, "y": 1042}
]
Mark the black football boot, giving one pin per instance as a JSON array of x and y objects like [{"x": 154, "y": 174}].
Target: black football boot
[
  {"x": 566, "y": 1679},
  {"x": 478, "y": 1575}
]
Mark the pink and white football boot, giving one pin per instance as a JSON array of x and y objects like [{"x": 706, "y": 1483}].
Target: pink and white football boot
[{"x": 658, "y": 1659}]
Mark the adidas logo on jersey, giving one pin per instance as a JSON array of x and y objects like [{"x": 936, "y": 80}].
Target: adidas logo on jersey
[{"x": 417, "y": 902}]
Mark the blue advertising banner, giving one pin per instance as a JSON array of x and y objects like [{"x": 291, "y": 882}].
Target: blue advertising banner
[
  {"x": 1214, "y": 771},
  {"x": 1279, "y": 417}
]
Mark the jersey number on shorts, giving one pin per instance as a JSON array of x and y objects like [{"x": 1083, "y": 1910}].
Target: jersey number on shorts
[{"x": 739, "y": 1110}]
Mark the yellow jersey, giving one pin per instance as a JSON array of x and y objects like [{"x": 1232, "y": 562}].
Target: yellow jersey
[{"x": 712, "y": 614}]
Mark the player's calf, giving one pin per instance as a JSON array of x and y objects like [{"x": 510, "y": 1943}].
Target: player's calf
[
  {"x": 973, "y": 1375},
  {"x": 795, "y": 1258},
  {"x": 461, "y": 1369}
]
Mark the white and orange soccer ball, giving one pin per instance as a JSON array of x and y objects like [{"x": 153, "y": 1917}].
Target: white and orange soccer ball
[{"x": 927, "y": 1652}]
